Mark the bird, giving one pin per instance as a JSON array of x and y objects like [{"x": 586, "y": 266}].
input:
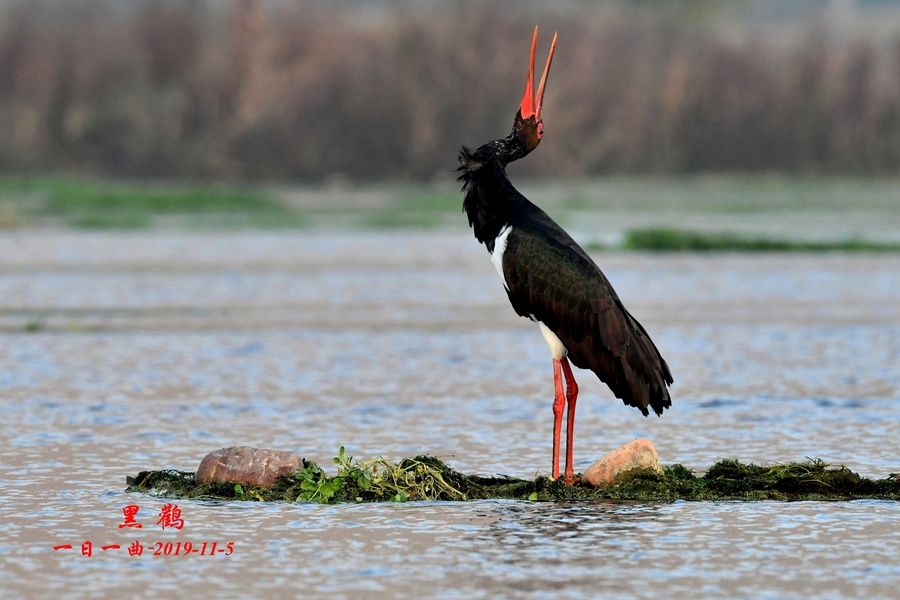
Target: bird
[{"x": 551, "y": 280}]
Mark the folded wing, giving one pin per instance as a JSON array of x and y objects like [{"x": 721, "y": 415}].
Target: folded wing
[{"x": 552, "y": 280}]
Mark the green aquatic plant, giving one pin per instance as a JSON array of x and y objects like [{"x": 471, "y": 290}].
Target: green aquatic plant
[
  {"x": 420, "y": 478},
  {"x": 316, "y": 484},
  {"x": 429, "y": 478}
]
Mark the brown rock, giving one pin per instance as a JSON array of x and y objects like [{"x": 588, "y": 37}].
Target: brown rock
[
  {"x": 636, "y": 454},
  {"x": 247, "y": 466}
]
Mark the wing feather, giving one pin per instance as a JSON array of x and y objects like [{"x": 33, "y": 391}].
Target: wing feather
[{"x": 552, "y": 279}]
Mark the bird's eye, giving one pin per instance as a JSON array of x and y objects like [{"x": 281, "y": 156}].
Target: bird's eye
[{"x": 540, "y": 129}]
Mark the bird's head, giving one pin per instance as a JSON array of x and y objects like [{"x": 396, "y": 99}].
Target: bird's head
[{"x": 528, "y": 127}]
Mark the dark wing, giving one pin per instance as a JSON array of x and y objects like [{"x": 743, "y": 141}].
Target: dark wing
[{"x": 551, "y": 279}]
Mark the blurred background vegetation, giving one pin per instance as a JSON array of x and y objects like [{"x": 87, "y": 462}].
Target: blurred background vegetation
[
  {"x": 306, "y": 90},
  {"x": 287, "y": 92}
]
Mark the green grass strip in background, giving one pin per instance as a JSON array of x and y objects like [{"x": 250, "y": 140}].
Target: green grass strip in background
[
  {"x": 84, "y": 203},
  {"x": 673, "y": 240}
]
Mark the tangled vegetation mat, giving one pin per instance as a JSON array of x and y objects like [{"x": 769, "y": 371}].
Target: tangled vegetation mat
[{"x": 428, "y": 478}]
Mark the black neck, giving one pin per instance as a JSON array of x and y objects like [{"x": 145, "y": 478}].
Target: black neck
[
  {"x": 503, "y": 151},
  {"x": 491, "y": 200}
]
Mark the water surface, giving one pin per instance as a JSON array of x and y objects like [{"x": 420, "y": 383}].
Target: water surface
[{"x": 153, "y": 349}]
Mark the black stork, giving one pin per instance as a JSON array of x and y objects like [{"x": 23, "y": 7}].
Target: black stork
[{"x": 552, "y": 281}]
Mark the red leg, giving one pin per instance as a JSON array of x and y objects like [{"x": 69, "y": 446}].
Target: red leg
[
  {"x": 558, "y": 405},
  {"x": 571, "y": 397}
]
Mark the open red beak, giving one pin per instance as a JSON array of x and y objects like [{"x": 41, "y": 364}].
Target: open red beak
[{"x": 531, "y": 104}]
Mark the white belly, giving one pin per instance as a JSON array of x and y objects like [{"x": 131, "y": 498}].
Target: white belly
[{"x": 556, "y": 345}]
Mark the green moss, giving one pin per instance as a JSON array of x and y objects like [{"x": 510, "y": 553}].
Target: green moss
[
  {"x": 675, "y": 240},
  {"x": 428, "y": 478}
]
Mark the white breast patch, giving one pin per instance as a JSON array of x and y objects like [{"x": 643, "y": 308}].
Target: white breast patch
[{"x": 499, "y": 249}]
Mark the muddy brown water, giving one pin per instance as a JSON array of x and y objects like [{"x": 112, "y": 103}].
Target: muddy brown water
[{"x": 154, "y": 349}]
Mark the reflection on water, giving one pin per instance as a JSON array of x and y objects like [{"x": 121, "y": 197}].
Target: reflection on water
[{"x": 395, "y": 345}]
